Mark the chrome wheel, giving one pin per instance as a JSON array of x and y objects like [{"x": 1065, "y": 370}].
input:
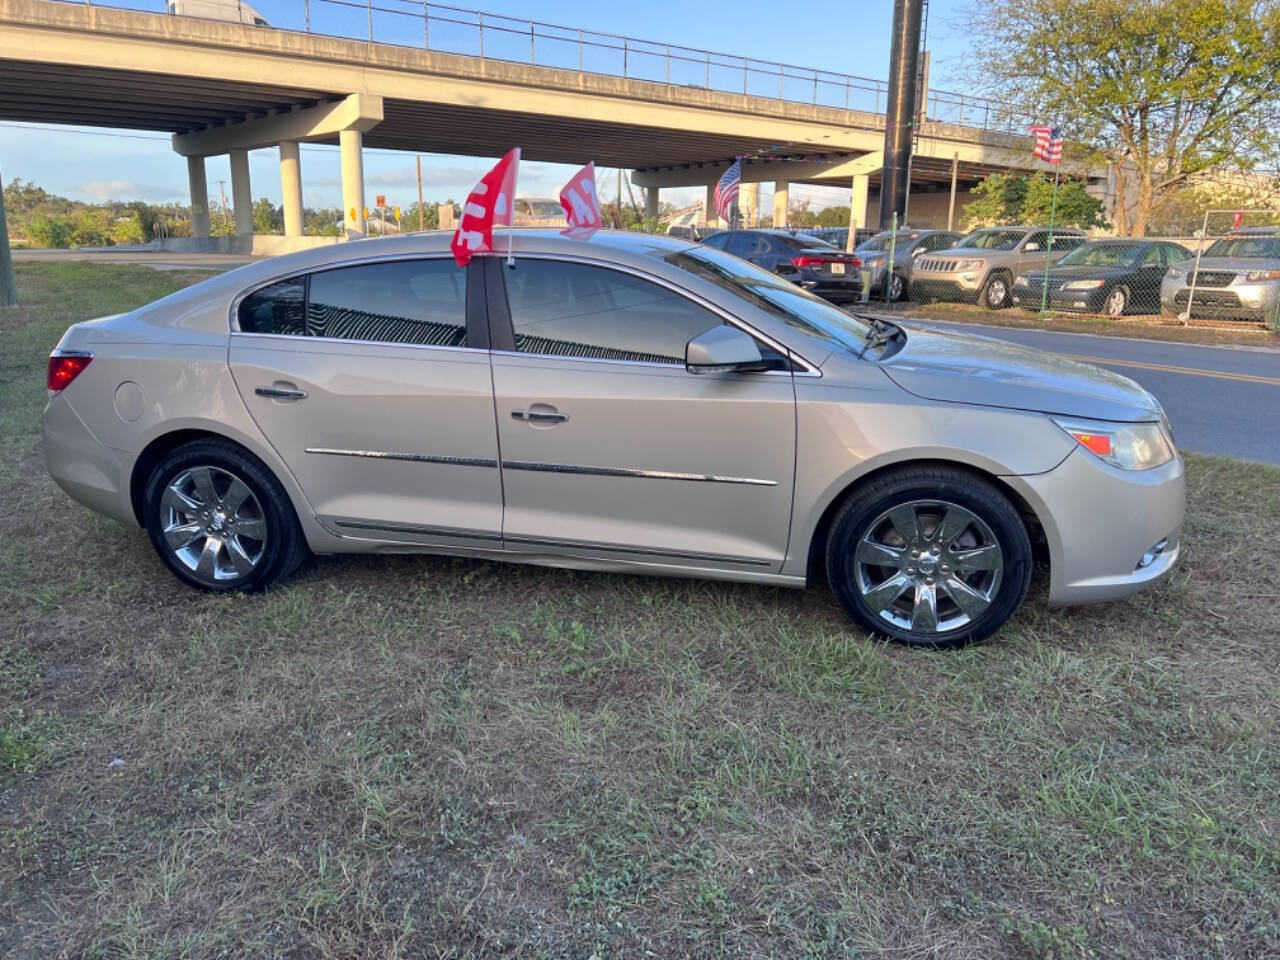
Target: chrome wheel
[
  {"x": 1117, "y": 300},
  {"x": 928, "y": 566},
  {"x": 213, "y": 523},
  {"x": 895, "y": 287},
  {"x": 997, "y": 292}
]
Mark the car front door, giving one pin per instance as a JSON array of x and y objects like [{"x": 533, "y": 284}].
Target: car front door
[
  {"x": 611, "y": 449},
  {"x": 369, "y": 384},
  {"x": 1145, "y": 287}
]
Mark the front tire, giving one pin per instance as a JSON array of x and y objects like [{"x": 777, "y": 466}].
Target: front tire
[
  {"x": 995, "y": 292},
  {"x": 219, "y": 518},
  {"x": 929, "y": 557},
  {"x": 1117, "y": 302}
]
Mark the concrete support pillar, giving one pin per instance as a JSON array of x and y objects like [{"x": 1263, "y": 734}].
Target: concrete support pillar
[
  {"x": 857, "y": 207},
  {"x": 291, "y": 187},
  {"x": 199, "y": 197},
  {"x": 351, "y": 144},
  {"x": 241, "y": 193},
  {"x": 781, "y": 198},
  {"x": 709, "y": 209},
  {"x": 651, "y": 203}
]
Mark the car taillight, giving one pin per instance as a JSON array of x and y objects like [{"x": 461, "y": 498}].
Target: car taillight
[
  {"x": 819, "y": 261},
  {"x": 65, "y": 367}
]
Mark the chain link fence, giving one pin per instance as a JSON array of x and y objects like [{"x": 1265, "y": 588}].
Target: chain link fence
[{"x": 1223, "y": 271}]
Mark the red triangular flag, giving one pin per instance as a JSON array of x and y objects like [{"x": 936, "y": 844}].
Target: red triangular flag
[
  {"x": 581, "y": 208},
  {"x": 489, "y": 204}
]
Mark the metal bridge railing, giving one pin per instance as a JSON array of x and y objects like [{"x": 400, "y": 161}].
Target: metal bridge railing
[{"x": 448, "y": 29}]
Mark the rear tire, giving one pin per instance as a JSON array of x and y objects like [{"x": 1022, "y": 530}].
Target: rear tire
[
  {"x": 219, "y": 518},
  {"x": 897, "y": 288},
  {"x": 970, "y": 568}
]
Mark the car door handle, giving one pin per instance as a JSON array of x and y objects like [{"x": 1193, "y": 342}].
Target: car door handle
[
  {"x": 281, "y": 393},
  {"x": 540, "y": 416}
]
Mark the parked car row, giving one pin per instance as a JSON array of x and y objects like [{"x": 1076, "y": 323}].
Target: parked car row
[{"x": 1025, "y": 266}]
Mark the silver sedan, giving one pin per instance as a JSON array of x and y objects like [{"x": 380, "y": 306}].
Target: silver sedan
[{"x": 627, "y": 402}]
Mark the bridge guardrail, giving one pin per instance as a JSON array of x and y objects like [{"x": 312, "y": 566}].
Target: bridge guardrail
[{"x": 450, "y": 29}]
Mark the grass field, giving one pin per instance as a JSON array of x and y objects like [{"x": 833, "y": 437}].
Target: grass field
[{"x": 424, "y": 757}]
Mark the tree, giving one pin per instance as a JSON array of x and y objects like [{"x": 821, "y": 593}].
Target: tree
[
  {"x": 1160, "y": 90},
  {"x": 1010, "y": 198}
]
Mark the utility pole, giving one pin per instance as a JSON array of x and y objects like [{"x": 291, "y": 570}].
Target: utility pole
[
  {"x": 902, "y": 114},
  {"x": 8, "y": 286},
  {"x": 619, "y": 224},
  {"x": 222, "y": 192},
  {"x": 421, "y": 216}
]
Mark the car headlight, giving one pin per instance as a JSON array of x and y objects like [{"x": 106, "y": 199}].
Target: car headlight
[
  {"x": 1129, "y": 446},
  {"x": 965, "y": 265},
  {"x": 1257, "y": 276},
  {"x": 1083, "y": 285},
  {"x": 1173, "y": 272}
]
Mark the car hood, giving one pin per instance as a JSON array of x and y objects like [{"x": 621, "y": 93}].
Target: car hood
[
  {"x": 1239, "y": 264},
  {"x": 963, "y": 368}
]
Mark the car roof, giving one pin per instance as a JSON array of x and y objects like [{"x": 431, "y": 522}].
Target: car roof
[{"x": 1029, "y": 227}]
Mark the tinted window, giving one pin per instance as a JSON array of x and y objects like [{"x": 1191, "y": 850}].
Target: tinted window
[
  {"x": 717, "y": 240},
  {"x": 275, "y": 309},
  {"x": 575, "y": 310},
  {"x": 742, "y": 244},
  {"x": 406, "y": 301},
  {"x": 1066, "y": 242},
  {"x": 938, "y": 241}
]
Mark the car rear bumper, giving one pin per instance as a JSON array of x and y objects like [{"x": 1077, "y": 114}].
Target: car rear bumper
[
  {"x": 90, "y": 472},
  {"x": 1099, "y": 521}
]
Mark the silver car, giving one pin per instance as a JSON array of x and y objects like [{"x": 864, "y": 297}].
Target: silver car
[
  {"x": 628, "y": 403},
  {"x": 1238, "y": 279}
]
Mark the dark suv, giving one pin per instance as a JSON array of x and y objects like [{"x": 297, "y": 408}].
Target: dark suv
[{"x": 812, "y": 263}]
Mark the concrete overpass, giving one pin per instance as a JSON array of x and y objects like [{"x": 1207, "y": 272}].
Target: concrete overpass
[{"x": 223, "y": 87}]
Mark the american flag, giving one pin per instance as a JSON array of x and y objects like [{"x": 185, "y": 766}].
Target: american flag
[
  {"x": 1048, "y": 143},
  {"x": 727, "y": 190}
]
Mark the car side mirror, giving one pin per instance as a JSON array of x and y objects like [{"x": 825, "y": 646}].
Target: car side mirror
[
  {"x": 723, "y": 349},
  {"x": 917, "y": 251},
  {"x": 1031, "y": 247}
]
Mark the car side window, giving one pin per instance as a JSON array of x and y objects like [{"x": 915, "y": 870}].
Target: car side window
[
  {"x": 401, "y": 301},
  {"x": 742, "y": 244},
  {"x": 576, "y": 310},
  {"x": 1064, "y": 243},
  {"x": 1036, "y": 241},
  {"x": 279, "y": 308},
  {"x": 716, "y": 240},
  {"x": 1155, "y": 257},
  {"x": 937, "y": 241}
]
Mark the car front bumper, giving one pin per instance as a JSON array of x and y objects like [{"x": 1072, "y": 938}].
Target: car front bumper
[
  {"x": 1084, "y": 301},
  {"x": 962, "y": 287},
  {"x": 1253, "y": 300},
  {"x": 1099, "y": 521}
]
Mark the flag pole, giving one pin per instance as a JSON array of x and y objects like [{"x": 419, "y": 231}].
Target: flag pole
[
  {"x": 511, "y": 223},
  {"x": 1048, "y": 251}
]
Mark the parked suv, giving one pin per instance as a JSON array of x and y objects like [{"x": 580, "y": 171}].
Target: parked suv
[
  {"x": 907, "y": 246},
  {"x": 1238, "y": 279},
  {"x": 980, "y": 268}
]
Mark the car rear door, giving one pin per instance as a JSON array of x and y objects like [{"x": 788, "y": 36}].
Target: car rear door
[
  {"x": 375, "y": 390},
  {"x": 611, "y": 449}
]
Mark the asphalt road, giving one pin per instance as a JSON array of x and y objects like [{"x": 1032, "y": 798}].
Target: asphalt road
[{"x": 1223, "y": 400}]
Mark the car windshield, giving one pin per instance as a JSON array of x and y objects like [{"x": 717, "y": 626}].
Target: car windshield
[
  {"x": 1103, "y": 255},
  {"x": 992, "y": 239},
  {"x": 1257, "y": 247},
  {"x": 774, "y": 295}
]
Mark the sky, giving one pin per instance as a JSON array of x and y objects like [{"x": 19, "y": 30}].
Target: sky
[{"x": 93, "y": 165}]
